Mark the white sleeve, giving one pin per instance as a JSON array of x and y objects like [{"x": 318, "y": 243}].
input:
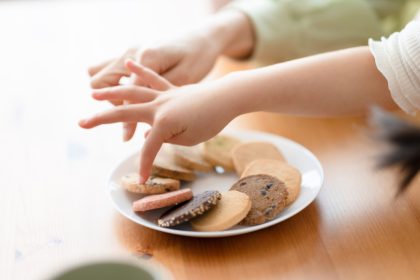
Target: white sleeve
[{"x": 398, "y": 59}]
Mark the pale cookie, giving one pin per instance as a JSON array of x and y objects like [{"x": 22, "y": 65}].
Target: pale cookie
[
  {"x": 279, "y": 169},
  {"x": 166, "y": 166},
  {"x": 162, "y": 200},
  {"x": 191, "y": 158},
  {"x": 200, "y": 204},
  {"x": 153, "y": 185},
  {"x": 268, "y": 195},
  {"x": 246, "y": 152},
  {"x": 217, "y": 151},
  {"x": 231, "y": 209}
]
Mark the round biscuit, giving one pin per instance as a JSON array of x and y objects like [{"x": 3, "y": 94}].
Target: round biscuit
[
  {"x": 217, "y": 151},
  {"x": 153, "y": 185},
  {"x": 231, "y": 209},
  {"x": 191, "y": 158},
  {"x": 281, "y": 170},
  {"x": 245, "y": 153},
  {"x": 268, "y": 195}
]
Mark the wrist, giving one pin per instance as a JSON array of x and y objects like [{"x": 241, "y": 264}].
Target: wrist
[
  {"x": 234, "y": 94},
  {"x": 232, "y": 33}
]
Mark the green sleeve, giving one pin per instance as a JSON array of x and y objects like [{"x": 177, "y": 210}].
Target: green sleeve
[{"x": 288, "y": 29}]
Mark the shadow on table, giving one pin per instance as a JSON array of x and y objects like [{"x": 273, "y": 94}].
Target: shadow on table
[{"x": 291, "y": 241}]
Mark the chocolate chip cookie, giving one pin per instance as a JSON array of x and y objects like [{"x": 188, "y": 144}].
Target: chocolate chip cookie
[
  {"x": 279, "y": 169},
  {"x": 268, "y": 195}
]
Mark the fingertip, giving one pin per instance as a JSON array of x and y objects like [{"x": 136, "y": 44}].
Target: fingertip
[
  {"x": 127, "y": 134},
  {"x": 130, "y": 64},
  {"x": 96, "y": 95},
  {"x": 142, "y": 179},
  {"x": 90, "y": 71},
  {"x": 83, "y": 123},
  {"x": 134, "y": 66},
  {"x": 144, "y": 173}
]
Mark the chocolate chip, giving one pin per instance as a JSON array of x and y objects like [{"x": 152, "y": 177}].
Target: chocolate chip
[
  {"x": 263, "y": 192},
  {"x": 242, "y": 184},
  {"x": 268, "y": 186},
  {"x": 268, "y": 211}
]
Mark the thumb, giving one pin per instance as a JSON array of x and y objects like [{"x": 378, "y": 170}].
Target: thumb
[{"x": 151, "y": 147}]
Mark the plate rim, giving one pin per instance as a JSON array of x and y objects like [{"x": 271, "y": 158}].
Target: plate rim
[{"x": 226, "y": 233}]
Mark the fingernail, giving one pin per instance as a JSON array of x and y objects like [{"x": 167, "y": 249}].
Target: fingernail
[
  {"x": 141, "y": 180},
  {"x": 126, "y": 134},
  {"x": 82, "y": 122}
]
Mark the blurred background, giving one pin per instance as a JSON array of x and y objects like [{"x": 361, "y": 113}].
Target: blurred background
[{"x": 52, "y": 170}]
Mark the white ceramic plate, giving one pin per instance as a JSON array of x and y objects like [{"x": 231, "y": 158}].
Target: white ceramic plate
[{"x": 295, "y": 154}]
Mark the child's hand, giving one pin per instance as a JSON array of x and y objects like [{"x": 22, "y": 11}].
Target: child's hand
[
  {"x": 141, "y": 76},
  {"x": 186, "y": 116}
]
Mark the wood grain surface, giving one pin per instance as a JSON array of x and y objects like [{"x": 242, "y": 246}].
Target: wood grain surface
[{"x": 54, "y": 209}]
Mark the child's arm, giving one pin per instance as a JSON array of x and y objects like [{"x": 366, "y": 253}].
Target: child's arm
[
  {"x": 345, "y": 82},
  {"x": 342, "y": 82}
]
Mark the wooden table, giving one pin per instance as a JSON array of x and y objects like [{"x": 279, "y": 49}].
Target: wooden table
[{"x": 54, "y": 208}]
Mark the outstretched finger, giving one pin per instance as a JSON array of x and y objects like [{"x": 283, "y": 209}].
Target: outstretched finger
[
  {"x": 148, "y": 76},
  {"x": 148, "y": 153},
  {"x": 133, "y": 94},
  {"x": 110, "y": 75},
  {"x": 125, "y": 113},
  {"x": 92, "y": 70}
]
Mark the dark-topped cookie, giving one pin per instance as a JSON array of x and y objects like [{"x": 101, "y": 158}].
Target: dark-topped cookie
[
  {"x": 268, "y": 195},
  {"x": 199, "y": 204}
]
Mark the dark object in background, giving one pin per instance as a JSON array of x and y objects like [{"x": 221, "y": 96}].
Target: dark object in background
[{"x": 403, "y": 139}]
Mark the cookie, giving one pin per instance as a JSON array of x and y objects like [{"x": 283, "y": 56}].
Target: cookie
[
  {"x": 166, "y": 166},
  {"x": 268, "y": 195},
  {"x": 217, "y": 151},
  {"x": 279, "y": 169},
  {"x": 162, "y": 200},
  {"x": 191, "y": 158},
  {"x": 244, "y": 153},
  {"x": 231, "y": 209},
  {"x": 193, "y": 208},
  {"x": 153, "y": 185}
]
